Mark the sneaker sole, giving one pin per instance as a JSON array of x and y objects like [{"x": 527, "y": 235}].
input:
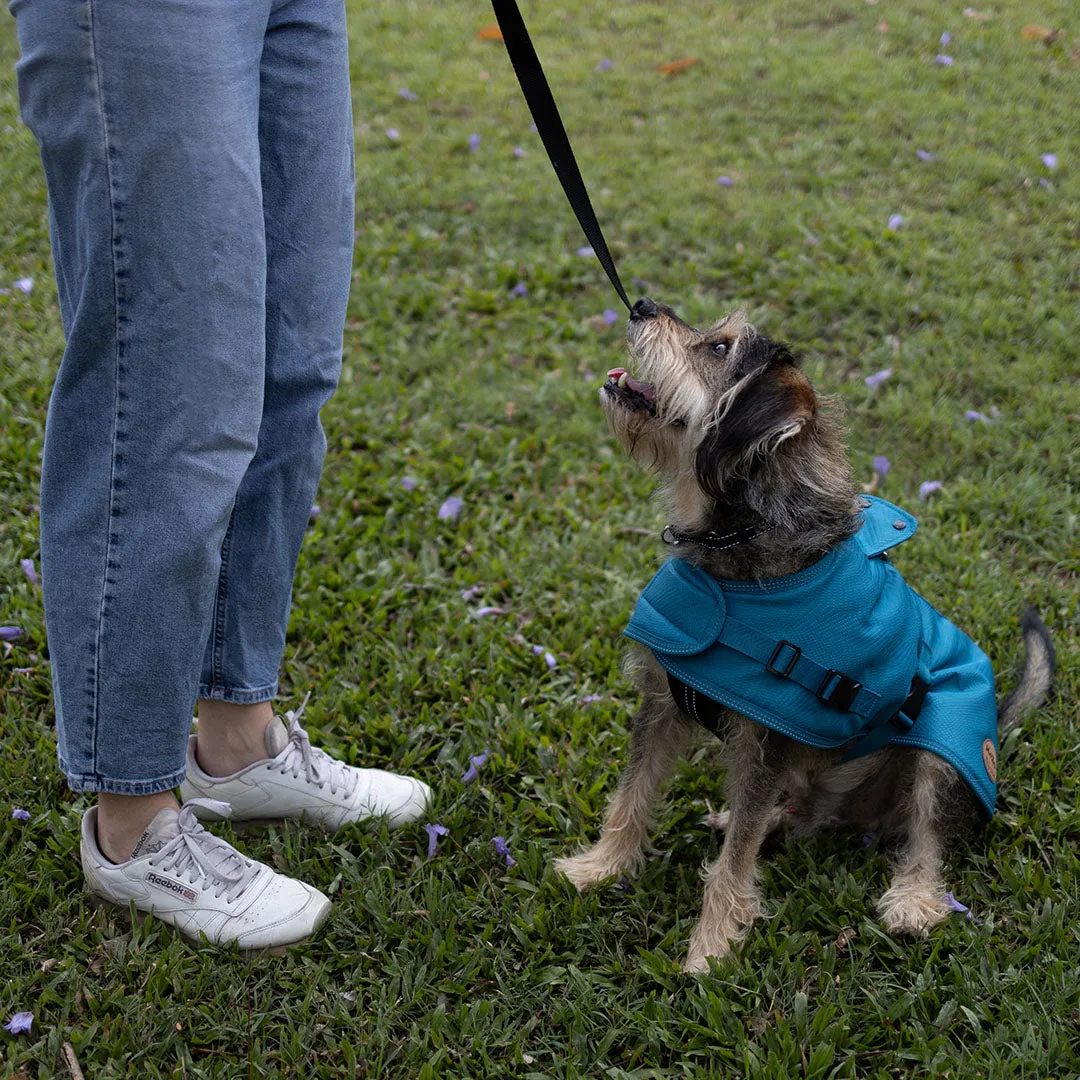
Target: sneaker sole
[{"x": 123, "y": 913}]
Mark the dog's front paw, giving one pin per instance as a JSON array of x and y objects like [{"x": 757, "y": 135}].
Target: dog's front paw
[
  {"x": 697, "y": 956},
  {"x": 911, "y": 910},
  {"x": 593, "y": 866}
]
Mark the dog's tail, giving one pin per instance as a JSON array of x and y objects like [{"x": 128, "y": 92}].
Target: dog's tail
[{"x": 1035, "y": 677}]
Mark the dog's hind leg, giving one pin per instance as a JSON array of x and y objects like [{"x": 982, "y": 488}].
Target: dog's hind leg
[
  {"x": 731, "y": 899},
  {"x": 659, "y": 736},
  {"x": 914, "y": 901}
]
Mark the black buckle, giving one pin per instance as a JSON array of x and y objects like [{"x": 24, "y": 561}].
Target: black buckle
[
  {"x": 796, "y": 652},
  {"x": 841, "y": 693}
]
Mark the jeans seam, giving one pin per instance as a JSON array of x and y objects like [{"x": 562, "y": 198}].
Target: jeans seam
[
  {"x": 117, "y": 415},
  {"x": 217, "y": 630}
]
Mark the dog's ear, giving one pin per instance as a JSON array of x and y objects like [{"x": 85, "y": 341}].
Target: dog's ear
[{"x": 773, "y": 409}]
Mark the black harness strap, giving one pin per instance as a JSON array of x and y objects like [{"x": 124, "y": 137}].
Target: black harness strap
[
  {"x": 706, "y": 711},
  {"x": 549, "y": 124}
]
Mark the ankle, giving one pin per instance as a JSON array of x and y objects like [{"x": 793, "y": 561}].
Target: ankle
[
  {"x": 122, "y": 819},
  {"x": 231, "y": 737}
]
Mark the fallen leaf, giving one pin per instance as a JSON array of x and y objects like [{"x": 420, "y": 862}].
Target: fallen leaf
[
  {"x": 1037, "y": 33},
  {"x": 882, "y": 27},
  {"x": 509, "y": 411},
  {"x": 490, "y": 33},
  {"x": 677, "y": 65},
  {"x": 976, "y": 16}
]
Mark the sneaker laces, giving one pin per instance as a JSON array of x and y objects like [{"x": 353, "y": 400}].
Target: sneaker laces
[
  {"x": 317, "y": 765},
  {"x": 204, "y": 857}
]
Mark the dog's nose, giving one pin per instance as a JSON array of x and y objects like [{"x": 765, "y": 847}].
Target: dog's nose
[{"x": 643, "y": 309}]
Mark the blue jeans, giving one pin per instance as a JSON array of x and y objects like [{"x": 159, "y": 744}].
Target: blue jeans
[{"x": 199, "y": 162}]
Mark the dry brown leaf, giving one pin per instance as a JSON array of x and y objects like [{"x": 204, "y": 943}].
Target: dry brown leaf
[
  {"x": 1036, "y": 33},
  {"x": 882, "y": 27},
  {"x": 490, "y": 33},
  {"x": 677, "y": 65},
  {"x": 976, "y": 16}
]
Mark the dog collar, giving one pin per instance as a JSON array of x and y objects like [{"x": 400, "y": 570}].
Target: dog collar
[{"x": 714, "y": 541}]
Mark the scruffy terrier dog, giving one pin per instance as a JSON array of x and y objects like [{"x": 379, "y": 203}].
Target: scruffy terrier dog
[{"x": 876, "y": 714}]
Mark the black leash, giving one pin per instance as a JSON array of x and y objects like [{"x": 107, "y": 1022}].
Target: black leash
[{"x": 549, "y": 124}]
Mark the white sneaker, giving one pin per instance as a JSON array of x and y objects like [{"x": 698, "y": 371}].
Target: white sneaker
[
  {"x": 297, "y": 781},
  {"x": 200, "y": 884}
]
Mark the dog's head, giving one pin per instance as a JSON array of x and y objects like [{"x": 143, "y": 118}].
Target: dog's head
[{"x": 729, "y": 420}]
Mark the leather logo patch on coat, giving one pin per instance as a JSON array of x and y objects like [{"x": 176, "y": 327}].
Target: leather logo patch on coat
[{"x": 990, "y": 759}]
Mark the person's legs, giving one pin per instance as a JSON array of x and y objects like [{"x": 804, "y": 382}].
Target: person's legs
[
  {"x": 306, "y": 148},
  {"x": 147, "y": 116}
]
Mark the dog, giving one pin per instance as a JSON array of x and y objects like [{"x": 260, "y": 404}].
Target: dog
[{"x": 762, "y": 502}]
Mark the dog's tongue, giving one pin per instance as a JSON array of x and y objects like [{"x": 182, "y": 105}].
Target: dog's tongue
[{"x": 643, "y": 388}]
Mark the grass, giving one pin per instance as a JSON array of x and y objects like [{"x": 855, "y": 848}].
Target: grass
[{"x": 457, "y": 966}]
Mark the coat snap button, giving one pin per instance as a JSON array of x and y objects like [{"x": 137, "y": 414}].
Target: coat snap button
[{"x": 899, "y": 524}]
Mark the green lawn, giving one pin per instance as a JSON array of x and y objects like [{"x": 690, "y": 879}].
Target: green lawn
[{"x": 457, "y": 966}]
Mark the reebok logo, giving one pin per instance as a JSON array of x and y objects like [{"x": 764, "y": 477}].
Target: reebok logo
[{"x": 183, "y": 891}]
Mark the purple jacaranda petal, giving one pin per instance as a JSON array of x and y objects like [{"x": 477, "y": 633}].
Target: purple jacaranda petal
[
  {"x": 475, "y": 764},
  {"x": 955, "y": 904},
  {"x": 1044, "y": 183},
  {"x": 895, "y": 221},
  {"x": 925, "y": 155},
  {"x": 927, "y": 488},
  {"x": 539, "y": 650},
  {"x": 393, "y": 134},
  {"x": 995, "y": 412},
  {"x": 5, "y": 292},
  {"x": 520, "y": 289},
  {"x": 28, "y": 569},
  {"x": 473, "y": 141},
  {"x": 433, "y": 833},
  {"x": 1049, "y": 160},
  {"x": 974, "y": 414},
  {"x": 519, "y": 152},
  {"x": 945, "y": 38},
  {"x": 610, "y": 316},
  {"x": 20, "y": 1023},
  {"x": 640, "y": 283},
  {"x": 868, "y": 839},
  {"x": 24, "y": 285},
  {"x": 503, "y": 849},
  {"x": 450, "y": 509},
  {"x": 470, "y": 593},
  {"x": 533, "y": 128},
  {"x": 314, "y": 512},
  {"x": 10, "y": 633},
  {"x": 604, "y": 65},
  {"x": 585, "y": 252},
  {"x": 407, "y": 94},
  {"x": 19, "y": 814},
  {"x": 881, "y": 466},
  {"x": 588, "y": 699},
  {"x": 944, "y": 60},
  {"x": 484, "y": 612},
  {"x": 408, "y": 482},
  {"x": 875, "y": 380},
  {"x": 725, "y": 181}
]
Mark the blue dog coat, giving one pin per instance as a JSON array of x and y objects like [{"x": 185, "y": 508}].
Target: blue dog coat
[{"x": 843, "y": 651}]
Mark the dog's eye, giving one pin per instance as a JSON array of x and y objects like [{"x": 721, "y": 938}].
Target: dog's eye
[{"x": 718, "y": 348}]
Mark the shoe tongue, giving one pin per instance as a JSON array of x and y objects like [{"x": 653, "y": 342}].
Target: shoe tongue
[
  {"x": 277, "y": 736},
  {"x": 163, "y": 827}
]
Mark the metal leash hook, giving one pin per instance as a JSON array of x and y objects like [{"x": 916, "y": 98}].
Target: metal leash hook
[{"x": 549, "y": 124}]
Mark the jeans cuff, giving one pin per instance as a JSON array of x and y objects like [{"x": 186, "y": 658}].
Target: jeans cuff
[
  {"x": 89, "y": 782},
  {"x": 236, "y": 696}
]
